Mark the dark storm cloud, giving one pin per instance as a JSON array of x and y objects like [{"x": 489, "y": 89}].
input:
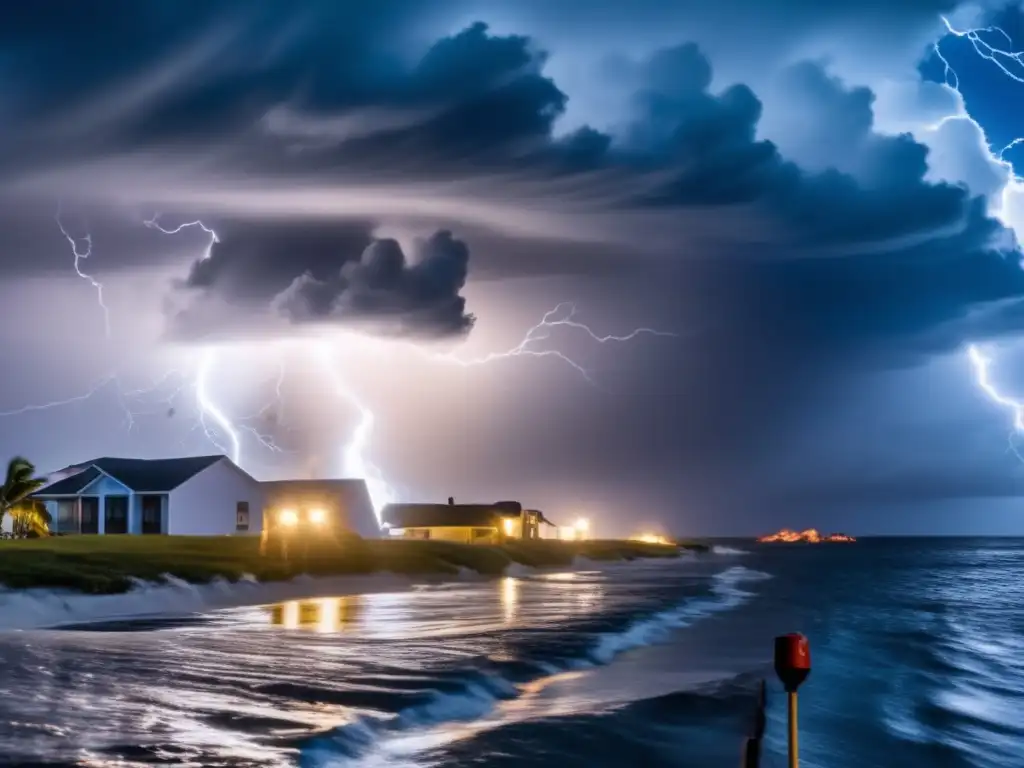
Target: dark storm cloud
[
  {"x": 814, "y": 259},
  {"x": 382, "y": 288},
  {"x": 304, "y": 98},
  {"x": 297, "y": 129},
  {"x": 315, "y": 273}
]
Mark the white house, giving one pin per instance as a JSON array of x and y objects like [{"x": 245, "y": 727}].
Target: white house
[{"x": 190, "y": 496}]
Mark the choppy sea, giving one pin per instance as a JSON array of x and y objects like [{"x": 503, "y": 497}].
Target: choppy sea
[{"x": 917, "y": 648}]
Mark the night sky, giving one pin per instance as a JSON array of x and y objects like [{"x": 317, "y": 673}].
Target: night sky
[{"x": 791, "y": 195}]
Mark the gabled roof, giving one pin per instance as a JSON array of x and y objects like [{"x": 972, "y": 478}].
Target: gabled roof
[
  {"x": 139, "y": 475},
  {"x": 70, "y": 485}
]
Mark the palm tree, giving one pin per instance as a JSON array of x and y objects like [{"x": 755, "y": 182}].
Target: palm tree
[
  {"x": 30, "y": 519},
  {"x": 18, "y": 486}
]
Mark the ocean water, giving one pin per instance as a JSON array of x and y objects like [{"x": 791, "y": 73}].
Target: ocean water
[{"x": 916, "y": 648}]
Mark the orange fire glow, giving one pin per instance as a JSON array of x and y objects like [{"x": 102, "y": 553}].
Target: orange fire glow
[{"x": 810, "y": 536}]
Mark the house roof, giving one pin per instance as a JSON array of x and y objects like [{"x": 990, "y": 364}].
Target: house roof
[
  {"x": 70, "y": 485},
  {"x": 139, "y": 475}
]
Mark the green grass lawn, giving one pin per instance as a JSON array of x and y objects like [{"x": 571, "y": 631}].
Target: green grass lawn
[{"x": 108, "y": 564}]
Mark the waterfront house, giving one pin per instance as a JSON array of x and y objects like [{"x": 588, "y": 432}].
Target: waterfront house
[
  {"x": 345, "y": 505},
  {"x": 189, "y": 496},
  {"x": 465, "y": 523}
]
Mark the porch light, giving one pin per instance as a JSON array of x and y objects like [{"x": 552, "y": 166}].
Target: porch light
[
  {"x": 288, "y": 518},
  {"x": 317, "y": 516},
  {"x": 510, "y": 526}
]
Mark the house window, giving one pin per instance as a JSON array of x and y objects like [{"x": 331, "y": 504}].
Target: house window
[
  {"x": 115, "y": 514},
  {"x": 67, "y": 516},
  {"x": 242, "y": 516}
]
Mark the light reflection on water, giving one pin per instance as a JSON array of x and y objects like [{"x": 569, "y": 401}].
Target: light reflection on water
[
  {"x": 509, "y": 598},
  {"x": 325, "y": 615},
  {"x": 237, "y": 686}
]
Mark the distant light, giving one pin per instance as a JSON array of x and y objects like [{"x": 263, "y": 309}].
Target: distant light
[
  {"x": 582, "y": 526},
  {"x": 288, "y": 517},
  {"x": 397, "y": 531},
  {"x": 649, "y": 538},
  {"x": 510, "y": 526},
  {"x": 317, "y": 516}
]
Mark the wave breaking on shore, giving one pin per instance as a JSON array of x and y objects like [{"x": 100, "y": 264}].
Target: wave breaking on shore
[
  {"x": 25, "y": 609},
  {"x": 479, "y": 691}
]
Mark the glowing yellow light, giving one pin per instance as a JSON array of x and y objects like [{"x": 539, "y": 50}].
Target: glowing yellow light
[
  {"x": 290, "y": 615},
  {"x": 317, "y": 516},
  {"x": 330, "y": 615},
  {"x": 582, "y": 526},
  {"x": 510, "y": 526},
  {"x": 509, "y": 598},
  {"x": 649, "y": 538},
  {"x": 288, "y": 517}
]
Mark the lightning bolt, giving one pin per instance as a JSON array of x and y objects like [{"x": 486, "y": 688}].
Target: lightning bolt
[
  {"x": 79, "y": 257},
  {"x": 354, "y": 453},
  {"x": 210, "y": 413},
  {"x": 983, "y": 378},
  {"x": 1010, "y": 64},
  {"x": 152, "y": 223},
  {"x": 982, "y": 375},
  {"x": 227, "y": 433},
  {"x": 210, "y": 410},
  {"x": 562, "y": 315}
]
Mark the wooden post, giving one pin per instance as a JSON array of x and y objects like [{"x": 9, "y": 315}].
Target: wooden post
[
  {"x": 794, "y": 746},
  {"x": 792, "y": 665}
]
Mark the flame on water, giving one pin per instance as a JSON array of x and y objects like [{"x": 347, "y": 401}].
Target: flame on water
[{"x": 809, "y": 536}]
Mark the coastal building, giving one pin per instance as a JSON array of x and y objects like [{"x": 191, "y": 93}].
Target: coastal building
[
  {"x": 194, "y": 496},
  {"x": 188, "y": 496},
  {"x": 465, "y": 523},
  {"x": 341, "y": 505}
]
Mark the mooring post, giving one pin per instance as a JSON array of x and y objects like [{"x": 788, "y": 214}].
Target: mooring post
[{"x": 792, "y": 665}]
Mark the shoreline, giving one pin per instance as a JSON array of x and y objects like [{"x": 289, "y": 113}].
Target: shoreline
[
  {"x": 45, "y": 582},
  {"x": 42, "y": 608},
  {"x": 114, "y": 564}
]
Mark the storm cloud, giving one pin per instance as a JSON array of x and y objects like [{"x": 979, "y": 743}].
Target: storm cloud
[
  {"x": 735, "y": 173},
  {"x": 264, "y": 279},
  {"x": 463, "y": 131}
]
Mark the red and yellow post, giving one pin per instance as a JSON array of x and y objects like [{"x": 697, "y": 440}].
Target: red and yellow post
[{"x": 792, "y": 665}]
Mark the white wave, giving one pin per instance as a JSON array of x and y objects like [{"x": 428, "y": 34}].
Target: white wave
[
  {"x": 720, "y": 550},
  {"x": 172, "y": 597},
  {"x": 726, "y": 594},
  {"x": 479, "y": 696},
  {"x": 43, "y": 608},
  {"x": 359, "y": 737}
]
